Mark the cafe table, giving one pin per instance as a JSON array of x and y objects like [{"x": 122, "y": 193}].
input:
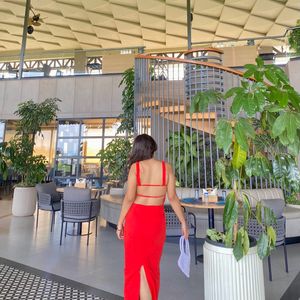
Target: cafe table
[
  {"x": 210, "y": 206},
  {"x": 96, "y": 192}
]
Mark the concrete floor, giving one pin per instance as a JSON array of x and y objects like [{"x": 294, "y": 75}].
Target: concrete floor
[{"x": 101, "y": 264}]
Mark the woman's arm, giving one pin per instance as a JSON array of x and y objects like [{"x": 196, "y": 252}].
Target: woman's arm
[
  {"x": 174, "y": 201},
  {"x": 128, "y": 200}
]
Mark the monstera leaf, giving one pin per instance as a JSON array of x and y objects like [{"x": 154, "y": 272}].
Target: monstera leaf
[{"x": 285, "y": 168}]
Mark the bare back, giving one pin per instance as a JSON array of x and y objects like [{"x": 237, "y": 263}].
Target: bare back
[{"x": 151, "y": 177}]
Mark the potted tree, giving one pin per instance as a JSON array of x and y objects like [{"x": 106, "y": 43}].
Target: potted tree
[
  {"x": 30, "y": 168},
  {"x": 265, "y": 117}
]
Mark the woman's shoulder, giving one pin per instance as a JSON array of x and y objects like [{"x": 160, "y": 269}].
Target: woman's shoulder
[{"x": 168, "y": 165}]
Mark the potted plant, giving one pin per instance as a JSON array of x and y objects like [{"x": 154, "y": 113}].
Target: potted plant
[
  {"x": 265, "y": 117},
  {"x": 114, "y": 160},
  {"x": 30, "y": 168}
]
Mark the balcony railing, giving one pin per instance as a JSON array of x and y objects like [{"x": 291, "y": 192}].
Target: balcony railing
[{"x": 56, "y": 64}]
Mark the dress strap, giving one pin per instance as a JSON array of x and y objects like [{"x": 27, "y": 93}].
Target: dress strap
[
  {"x": 138, "y": 176},
  {"x": 164, "y": 175}
]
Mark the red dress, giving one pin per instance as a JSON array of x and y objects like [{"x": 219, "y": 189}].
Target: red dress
[{"x": 144, "y": 236}]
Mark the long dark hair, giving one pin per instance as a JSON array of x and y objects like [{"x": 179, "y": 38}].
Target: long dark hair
[{"x": 143, "y": 148}]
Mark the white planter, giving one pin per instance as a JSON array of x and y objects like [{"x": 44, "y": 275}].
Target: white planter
[
  {"x": 227, "y": 279},
  {"x": 24, "y": 201}
]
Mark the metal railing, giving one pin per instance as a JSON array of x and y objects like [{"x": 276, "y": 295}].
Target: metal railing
[
  {"x": 62, "y": 63},
  {"x": 164, "y": 87}
]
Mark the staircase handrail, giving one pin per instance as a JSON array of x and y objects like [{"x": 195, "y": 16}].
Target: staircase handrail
[
  {"x": 204, "y": 49},
  {"x": 199, "y": 63}
]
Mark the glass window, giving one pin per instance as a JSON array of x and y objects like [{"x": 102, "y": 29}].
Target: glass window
[
  {"x": 66, "y": 167},
  {"x": 78, "y": 143},
  {"x": 111, "y": 127},
  {"x": 68, "y": 128},
  {"x": 10, "y": 130},
  {"x": 90, "y": 146},
  {"x": 92, "y": 127},
  {"x": 107, "y": 141},
  {"x": 45, "y": 143},
  {"x": 67, "y": 147},
  {"x": 89, "y": 167},
  {"x": 2, "y": 128}
]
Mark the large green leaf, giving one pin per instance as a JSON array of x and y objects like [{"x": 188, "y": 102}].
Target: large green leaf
[
  {"x": 249, "y": 105},
  {"x": 271, "y": 76},
  {"x": 224, "y": 135},
  {"x": 279, "y": 125},
  {"x": 250, "y": 70},
  {"x": 237, "y": 104},
  {"x": 294, "y": 148},
  {"x": 258, "y": 211},
  {"x": 239, "y": 156},
  {"x": 246, "y": 210},
  {"x": 263, "y": 246},
  {"x": 286, "y": 170},
  {"x": 232, "y": 91},
  {"x": 229, "y": 237},
  {"x": 294, "y": 97},
  {"x": 269, "y": 218},
  {"x": 258, "y": 165},
  {"x": 243, "y": 130},
  {"x": 230, "y": 211},
  {"x": 238, "y": 250},
  {"x": 246, "y": 242},
  {"x": 271, "y": 236},
  {"x": 223, "y": 171},
  {"x": 260, "y": 100},
  {"x": 286, "y": 125},
  {"x": 291, "y": 127}
]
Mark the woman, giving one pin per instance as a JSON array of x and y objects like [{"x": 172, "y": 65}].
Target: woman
[{"x": 142, "y": 220}]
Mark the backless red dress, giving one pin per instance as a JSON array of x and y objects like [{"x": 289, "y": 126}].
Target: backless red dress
[{"x": 144, "y": 236}]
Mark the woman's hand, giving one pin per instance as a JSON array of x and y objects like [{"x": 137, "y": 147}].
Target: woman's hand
[
  {"x": 185, "y": 230},
  {"x": 120, "y": 232}
]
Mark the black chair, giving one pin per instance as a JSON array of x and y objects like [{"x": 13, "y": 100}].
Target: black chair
[
  {"x": 173, "y": 225},
  {"x": 48, "y": 199},
  {"x": 77, "y": 207}
]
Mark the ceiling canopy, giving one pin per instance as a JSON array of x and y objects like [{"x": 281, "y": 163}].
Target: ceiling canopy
[{"x": 94, "y": 24}]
